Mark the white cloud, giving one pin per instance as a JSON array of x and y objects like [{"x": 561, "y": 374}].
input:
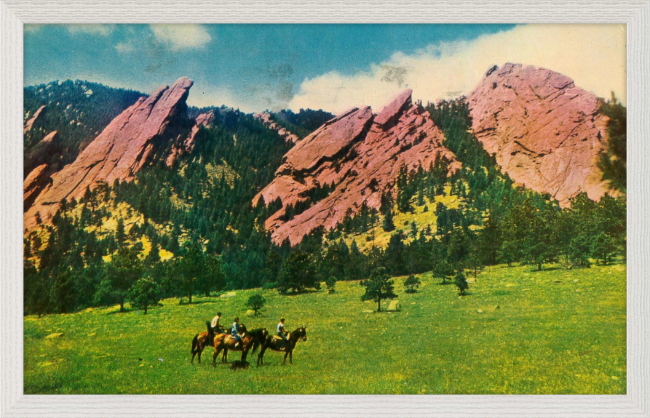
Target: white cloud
[
  {"x": 124, "y": 47},
  {"x": 593, "y": 55},
  {"x": 204, "y": 95},
  {"x": 178, "y": 37},
  {"x": 101, "y": 30}
]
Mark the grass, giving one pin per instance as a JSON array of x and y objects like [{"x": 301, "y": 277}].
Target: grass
[{"x": 519, "y": 331}]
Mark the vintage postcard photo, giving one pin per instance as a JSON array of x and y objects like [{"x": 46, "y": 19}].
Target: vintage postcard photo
[{"x": 324, "y": 209}]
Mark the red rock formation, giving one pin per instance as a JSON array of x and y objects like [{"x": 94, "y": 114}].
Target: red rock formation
[
  {"x": 546, "y": 132},
  {"x": 120, "y": 151},
  {"x": 33, "y": 185},
  {"x": 29, "y": 124},
  {"x": 41, "y": 152},
  {"x": 267, "y": 120},
  {"x": 361, "y": 154},
  {"x": 204, "y": 119}
]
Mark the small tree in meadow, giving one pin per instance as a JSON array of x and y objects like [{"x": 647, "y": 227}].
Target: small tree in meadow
[
  {"x": 144, "y": 293},
  {"x": 256, "y": 303},
  {"x": 411, "y": 283},
  {"x": 331, "y": 284},
  {"x": 443, "y": 270},
  {"x": 378, "y": 287},
  {"x": 461, "y": 283}
]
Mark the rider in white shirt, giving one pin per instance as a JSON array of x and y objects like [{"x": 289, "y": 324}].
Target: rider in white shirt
[
  {"x": 281, "y": 332},
  {"x": 215, "y": 323}
]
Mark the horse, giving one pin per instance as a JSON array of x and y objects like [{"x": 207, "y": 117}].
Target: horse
[
  {"x": 275, "y": 344},
  {"x": 226, "y": 342},
  {"x": 202, "y": 340}
]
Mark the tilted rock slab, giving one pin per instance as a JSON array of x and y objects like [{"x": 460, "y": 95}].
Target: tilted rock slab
[
  {"x": 546, "y": 132},
  {"x": 33, "y": 184},
  {"x": 29, "y": 124},
  {"x": 203, "y": 120},
  {"x": 120, "y": 151},
  {"x": 41, "y": 152},
  {"x": 267, "y": 120},
  {"x": 361, "y": 153}
]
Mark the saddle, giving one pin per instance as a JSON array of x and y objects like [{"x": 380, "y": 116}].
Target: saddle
[{"x": 276, "y": 339}]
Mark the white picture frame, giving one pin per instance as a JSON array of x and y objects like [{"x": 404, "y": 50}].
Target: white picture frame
[{"x": 15, "y": 13}]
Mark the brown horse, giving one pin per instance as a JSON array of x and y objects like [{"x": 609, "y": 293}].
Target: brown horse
[
  {"x": 275, "y": 344},
  {"x": 226, "y": 342},
  {"x": 202, "y": 340}
]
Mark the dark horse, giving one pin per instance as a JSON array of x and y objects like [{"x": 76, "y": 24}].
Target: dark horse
[
  {"x": 226, "y": 342},
  {"x": 202, "y": 340},
  {"x": 275, "y": 344}
]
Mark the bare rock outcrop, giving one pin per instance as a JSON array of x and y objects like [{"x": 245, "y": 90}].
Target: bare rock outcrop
[
  {"x": 203, "y": 120},
  {"x": 267, "y": 120},
  {"x": 121, "y": 150},
  {"x": 546, "y": 133},
  {"x": 33, "y": 184},
  {"x": 29, "y": 124},
  {"x": 41, "y": 152},
  {"x": 358, "y": 153}
]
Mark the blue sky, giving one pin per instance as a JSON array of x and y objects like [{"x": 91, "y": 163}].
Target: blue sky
[{"x": 257, "y": 67}]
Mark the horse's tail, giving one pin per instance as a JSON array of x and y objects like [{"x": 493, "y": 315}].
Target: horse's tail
[
  {"x": 195, "y": 343},
  {"x": 256, "y": 342}
]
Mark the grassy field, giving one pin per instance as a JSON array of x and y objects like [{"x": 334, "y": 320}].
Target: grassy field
[{"x": 519, "y": 331}]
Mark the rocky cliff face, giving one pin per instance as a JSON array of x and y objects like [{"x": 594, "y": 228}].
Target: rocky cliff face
[
  {"x": 48, "y": 149},
  {"x": 546, "y": 132},
  {"x": 187, "y": 145},
  {"x": 267, "y": 120},
  {"x": 33, "y": 120},
  {"x": 360, "y": 154},
  {"x": 121, "y": 150}
]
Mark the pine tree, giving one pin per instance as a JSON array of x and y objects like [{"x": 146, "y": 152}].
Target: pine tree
[
  {"x": 379, "y": 286},
  {"x": 388, "y": 224},
  {"x": 144, "y": 293}
]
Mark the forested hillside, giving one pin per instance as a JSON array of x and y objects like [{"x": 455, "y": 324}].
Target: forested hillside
[
  {"x": 77, "y": 110},
  {"x": 192, "y": 228}
]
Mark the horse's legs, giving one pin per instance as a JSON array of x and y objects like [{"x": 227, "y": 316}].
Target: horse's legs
[
  {"x": 291, "y": 357},
  {"x": 214, "y": 357},
  {"x": 193, "y": 354},
  {"x": 224, "y": 359},
  {"x": 200, "y": 351},
  {"x": 260, "y": 356},
  {"x": 285, "y": 358}
]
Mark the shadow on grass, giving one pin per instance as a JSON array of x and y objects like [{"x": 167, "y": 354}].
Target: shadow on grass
[
  {"x": 239, "y": 365},
  {"x": 197, "y": 302},
  {"x": 126, "y": 310}
]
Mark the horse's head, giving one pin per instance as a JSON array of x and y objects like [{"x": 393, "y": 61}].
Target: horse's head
[
  {"x": 302, "y": 333},
  {"x": 242, "y": 328}
]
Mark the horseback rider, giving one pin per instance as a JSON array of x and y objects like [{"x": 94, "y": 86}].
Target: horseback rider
[
  {"x": 234, "y": 331},
  {"x": 215, "y": 323},
  {"x": 281, "y": 332}
]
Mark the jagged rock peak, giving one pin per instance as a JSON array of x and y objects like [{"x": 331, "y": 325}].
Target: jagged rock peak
[
  {"x": 546, "y": 133},
  {"x": 394, "y": 109},
  {"x": 122, "y": 148},
  {"x": 29, "y": 124},
  {"x": 359, "y": 155}
]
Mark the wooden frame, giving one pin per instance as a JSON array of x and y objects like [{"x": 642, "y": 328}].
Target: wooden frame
[{"x": 634, "y": 13}]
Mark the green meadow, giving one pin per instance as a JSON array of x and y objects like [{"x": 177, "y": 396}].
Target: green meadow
[{"x": 518, "y": 331}]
